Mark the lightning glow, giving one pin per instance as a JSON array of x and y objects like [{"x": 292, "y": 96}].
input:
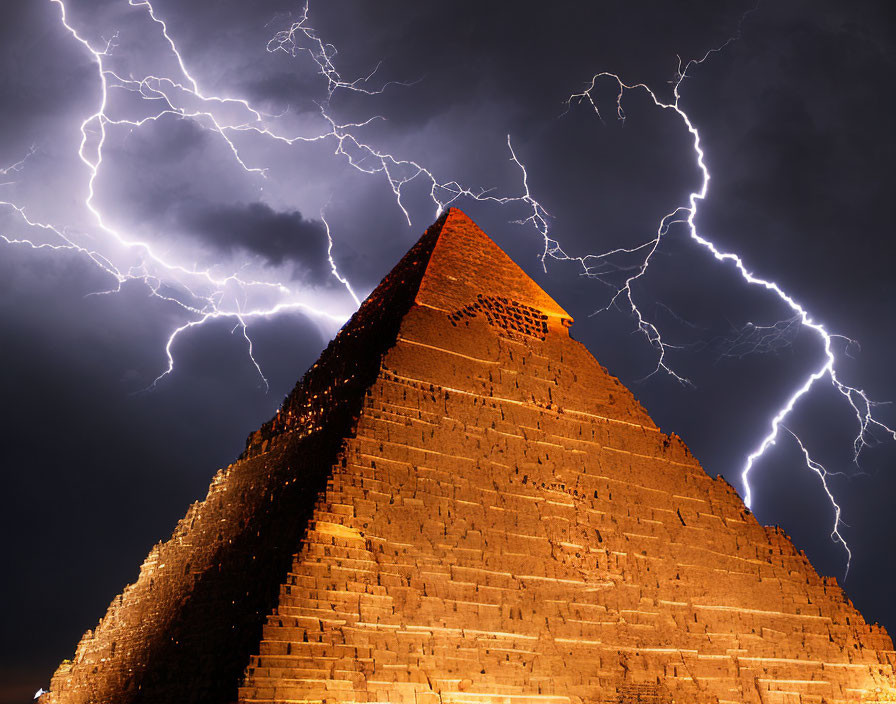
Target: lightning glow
[{"x": 202, "y": 293}]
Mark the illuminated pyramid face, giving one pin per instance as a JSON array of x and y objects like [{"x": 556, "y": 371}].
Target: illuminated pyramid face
[{"x": 457, "y": 503}]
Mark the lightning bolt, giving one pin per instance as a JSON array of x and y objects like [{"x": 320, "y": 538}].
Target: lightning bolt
[
  {"x": 823, "y": 475},
  {"x": 333, "y": 269},
  {"x": 17, "y": 166},
  {"x": 598, "y": 266},
  {"x": 322, "y": 53}
]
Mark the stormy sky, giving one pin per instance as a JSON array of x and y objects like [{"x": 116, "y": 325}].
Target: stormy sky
[{"x": 99, "y": 462}]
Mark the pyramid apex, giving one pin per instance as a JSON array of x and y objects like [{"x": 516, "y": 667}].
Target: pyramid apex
[{"x": 466, "y": 265}]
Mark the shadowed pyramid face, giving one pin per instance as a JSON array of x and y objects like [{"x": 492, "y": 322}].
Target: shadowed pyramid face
[{"x": 458, "y": 504}]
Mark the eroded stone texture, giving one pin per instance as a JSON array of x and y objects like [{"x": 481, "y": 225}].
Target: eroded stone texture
[{"x": 459, "y": 504}]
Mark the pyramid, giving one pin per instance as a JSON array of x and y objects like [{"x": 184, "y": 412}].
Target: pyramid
[{"x": 458, "y": 504}]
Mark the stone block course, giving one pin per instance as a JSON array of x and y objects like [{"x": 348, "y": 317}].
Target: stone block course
[{"x": 488, "y": 517}]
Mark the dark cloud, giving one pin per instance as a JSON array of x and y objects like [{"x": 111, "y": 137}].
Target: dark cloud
[{"x": 256, "y": 228}]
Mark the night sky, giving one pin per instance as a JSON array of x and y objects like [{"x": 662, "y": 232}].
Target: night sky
[{"x": 795, "y": 119}]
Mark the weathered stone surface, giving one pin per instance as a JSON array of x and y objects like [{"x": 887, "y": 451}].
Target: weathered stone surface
[{"x": 458, "y": 504}]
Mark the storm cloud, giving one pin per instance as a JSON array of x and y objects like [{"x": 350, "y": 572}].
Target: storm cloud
[{"x": 256, "y": 228}]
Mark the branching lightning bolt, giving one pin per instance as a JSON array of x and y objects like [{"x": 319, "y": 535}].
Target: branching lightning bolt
[
  {"x": 201, "y": 293},
  {"x": 823, "y": 475},
  {"x": 597, "y": 266},
  {"x": 322, "y": 53}
]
